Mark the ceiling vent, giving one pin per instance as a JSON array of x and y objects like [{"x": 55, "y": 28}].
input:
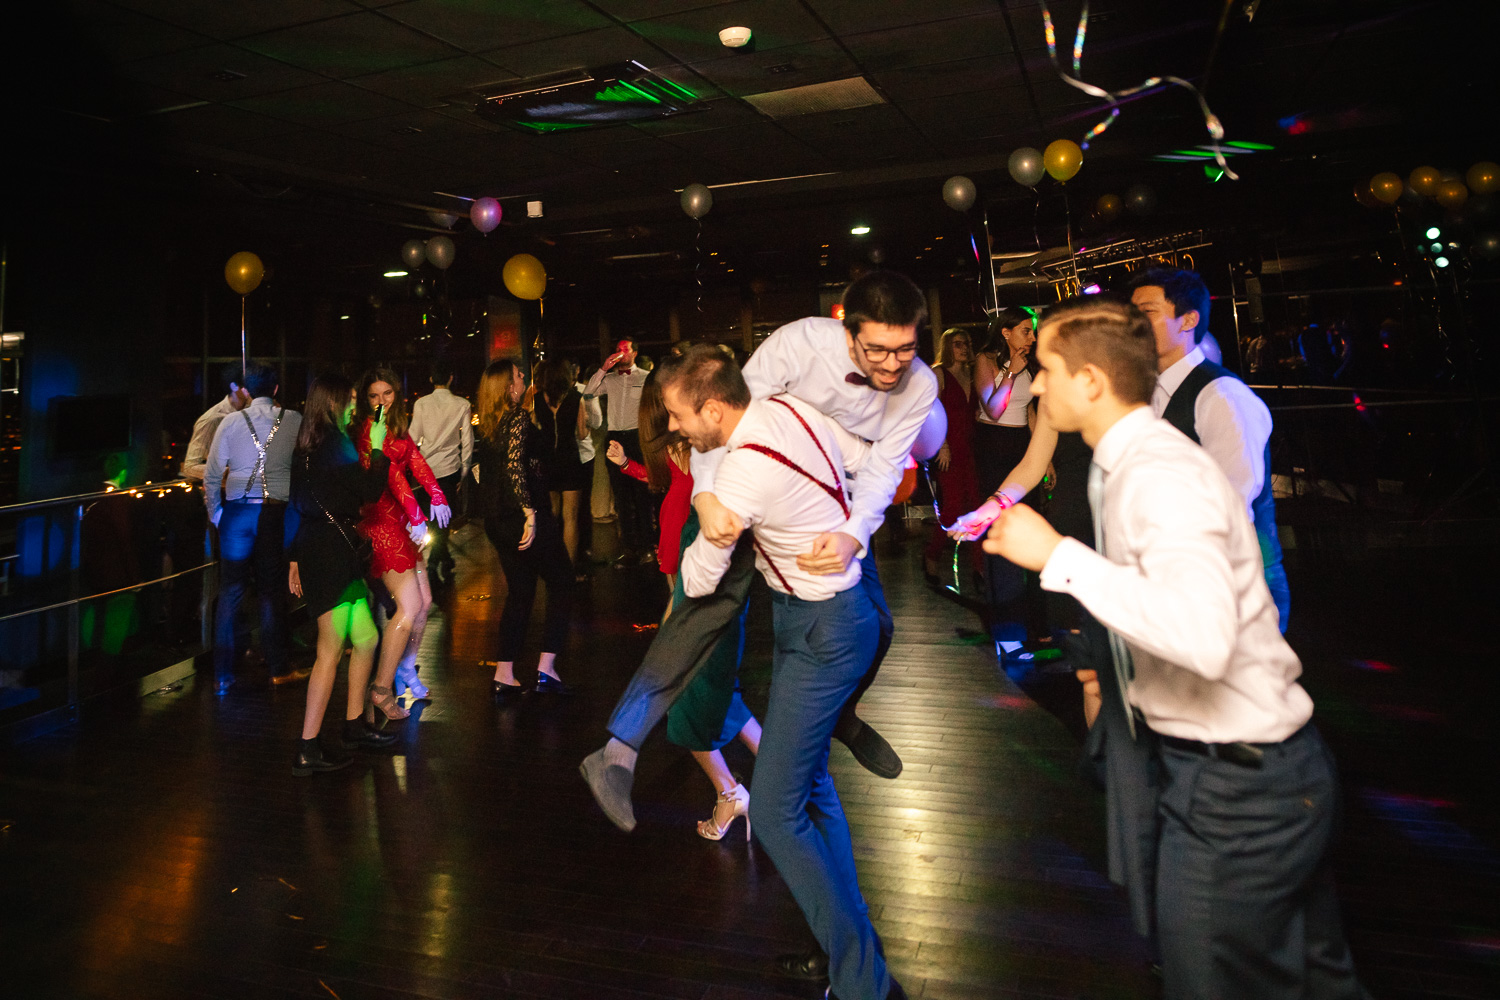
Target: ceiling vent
[{"x": 836, "y": 95}]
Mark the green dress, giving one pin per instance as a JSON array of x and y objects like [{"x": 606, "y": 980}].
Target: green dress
[{"x": 710, "y": 711}]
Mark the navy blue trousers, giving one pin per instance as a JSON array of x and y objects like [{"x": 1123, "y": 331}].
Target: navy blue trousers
[{"x": 251, "y": 552}]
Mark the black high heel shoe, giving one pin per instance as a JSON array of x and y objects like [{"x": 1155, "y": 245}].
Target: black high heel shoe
[{"x": 506, "y": 694}]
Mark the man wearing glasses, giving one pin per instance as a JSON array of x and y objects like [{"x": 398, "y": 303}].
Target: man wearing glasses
[{"x": 862, "y": 373}]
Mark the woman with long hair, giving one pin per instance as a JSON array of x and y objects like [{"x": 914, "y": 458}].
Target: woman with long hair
[
  {"x": 711, "y": 710},
  {"x": 329, "y": 486},
  {"x": 1002, "y": 384},
  {"x": 957, "y": 489},
  {"x": 395, "y": 525},
  {"x": 563, "y": 422},
  {"x": 521, "y": 527}
]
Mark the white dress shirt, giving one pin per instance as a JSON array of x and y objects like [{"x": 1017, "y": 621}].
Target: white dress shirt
[
  {"x": 594, "y": 416},
  {"x": 809, "y": 359},
  {"x": 442, "y": 424},
  {"x": 1232, "y": 422},
  {"x": 1181, "y": 582},
  {"x": 204, "y": 428},
  {"x": 623, "y": 390},
  {"x": 234, "y": 451},
  {"x": 784, "y": 508}
]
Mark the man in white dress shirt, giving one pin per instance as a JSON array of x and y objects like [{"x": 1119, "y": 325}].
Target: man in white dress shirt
[
  {"x": 1245, "y": 904},
  {"x": 782, "y": 474},
  {"x": 442, "y": 425},
  {"x": 619, "y": 380},
  {"x": 235, "y": 399},
  {"x": 1212, "y": 405},
  {"x": 862, "y": 373}
]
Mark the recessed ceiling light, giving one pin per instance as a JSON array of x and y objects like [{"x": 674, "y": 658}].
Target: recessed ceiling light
[
  {"x": 395, "y": 274},
  {"x": 343, "y": 317},
  {"x": 859, "y": 230},
  {"x": 734, "y": 38}
]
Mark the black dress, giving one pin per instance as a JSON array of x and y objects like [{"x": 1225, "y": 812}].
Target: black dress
[
  {"x": 330, "y": 478},
  {"x": 557, "y": 444}
]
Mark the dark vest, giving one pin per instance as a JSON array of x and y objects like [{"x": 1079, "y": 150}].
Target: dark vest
[{"x": 1180, "y": 413}]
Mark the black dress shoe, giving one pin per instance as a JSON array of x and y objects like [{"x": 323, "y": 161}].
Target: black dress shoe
[
  {"x": 312, "y": 758},
  {"x": 804, "y": 965},
  {"x": 869, "y": 747},
  {"x": 360, "y": 735},
  {"x": 506, "y": 694},
  {"x": 547, "y": 684}
]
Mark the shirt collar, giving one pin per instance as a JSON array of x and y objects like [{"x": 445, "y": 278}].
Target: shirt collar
[
  {"x": 743, "y": 428},
  {"x": 265, "y": 401},
  {"x": 1118, "y": 439},
  {"x": 1171, "y": 379},
  {"x": 441, "y": 388}
]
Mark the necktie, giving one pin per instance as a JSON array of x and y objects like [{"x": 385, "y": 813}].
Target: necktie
[
  {"x": 854, "y": 378},
  {"x": 1119, "y": 655}
]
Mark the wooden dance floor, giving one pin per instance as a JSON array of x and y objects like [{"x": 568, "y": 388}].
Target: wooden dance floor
[{"x": 163, "y": 849}]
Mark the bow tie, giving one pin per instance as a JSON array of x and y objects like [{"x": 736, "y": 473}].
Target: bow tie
[{"x": 854, "y": 378}]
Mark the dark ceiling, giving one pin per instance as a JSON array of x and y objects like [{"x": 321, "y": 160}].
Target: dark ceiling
[{"x": 361, "y": 114}]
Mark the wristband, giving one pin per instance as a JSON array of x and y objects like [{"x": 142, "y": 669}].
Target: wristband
[{"x": 1002, "y": 499}]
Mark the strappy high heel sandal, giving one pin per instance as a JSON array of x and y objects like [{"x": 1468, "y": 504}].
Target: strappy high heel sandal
[
  {"x": 383, "y": 699},
  {"x": 728, "y": 807}
]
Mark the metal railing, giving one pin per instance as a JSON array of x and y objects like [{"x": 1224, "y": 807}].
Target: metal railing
[{"x": 75, "y": 600}]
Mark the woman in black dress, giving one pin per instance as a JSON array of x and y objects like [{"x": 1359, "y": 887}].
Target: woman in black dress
[
  {"x": 560, "y": 422},
  {"x": 328, "y": 564},
  {"x": 526, "y": 536}
]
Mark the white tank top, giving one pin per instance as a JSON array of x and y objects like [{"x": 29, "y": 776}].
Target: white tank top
[{"x": 1014, "y": 414}]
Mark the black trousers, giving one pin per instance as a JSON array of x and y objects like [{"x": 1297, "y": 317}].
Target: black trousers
[
  {"x": 251, "y": 553},
  {"x": 633, "y": 507},
  {"x": 687, "y": 639},
  {"x": 1245, "y": 900},
  {"x": 546, "y": 559}
]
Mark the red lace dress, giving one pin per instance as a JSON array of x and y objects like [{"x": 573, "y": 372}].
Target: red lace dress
[{"x": 385, "y": 521}]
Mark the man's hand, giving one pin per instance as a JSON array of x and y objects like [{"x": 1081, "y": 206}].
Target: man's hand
[
  {"x": 294, "y": 580},
  {"x": 720, "y": 525},
  {"x": 1023, "y": 536},
  {"x": 215, "y": 516},
  {"x": 831, "y": 554},
  {"x": 973, "y": 524}
]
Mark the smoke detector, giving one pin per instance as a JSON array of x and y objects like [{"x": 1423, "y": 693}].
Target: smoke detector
[{"x": 735, "y": 38}]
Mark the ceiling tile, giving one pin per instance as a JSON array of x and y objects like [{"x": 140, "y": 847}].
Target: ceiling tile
[
  {"x": 220, "y": 124},
  {"x": 329, "y": 103},
  {"x": 349, "y": 46},
  {"x": 412, "y": 130},
  {"x": 125, "y": 34},
  {"x": 917, "y": 82},
  {"x": 194, "y": 71},
  {"x": 778, "y": 69},
  {"x": 848, "y": 17},
  {"x": 477, "y": 27},
  {"x": 582, "y": 51},
  {"x": 716, "y": 114},
  {"x": 235, "y": 20},
  {"x": 849, "y": 123},
  {"x": 435, "y": 83},
  {"x": 635, "y": 10},
  {"x": 694, "y": 35},
  {"x": 982, "y": 35}
]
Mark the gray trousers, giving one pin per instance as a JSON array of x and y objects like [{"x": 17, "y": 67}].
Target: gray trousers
[
  {"x": 687, "y": 639},
  {"x": 1245, "y": 900}
]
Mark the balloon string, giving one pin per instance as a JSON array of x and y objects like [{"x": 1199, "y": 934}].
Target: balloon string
[
  {"x": 698, "y": 262},
  {"x": 1210, "y": 120},
  {"x": 244, "y": 349}
]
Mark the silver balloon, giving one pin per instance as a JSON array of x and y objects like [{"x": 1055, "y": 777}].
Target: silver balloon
[
  {"x": 1487, "y": 245},
  {"x": 413, "y": 252},
  {"x": 440, "y": 252},
  {"x": 958, "y": 193},
  {"x": 697, "y": 200},
  {"x": 444, "y": 219},
  {"x": 1140, "y": 200},
  {"x": 1026, "y": 166}
]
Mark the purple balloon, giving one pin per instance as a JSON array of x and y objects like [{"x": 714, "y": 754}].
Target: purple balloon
[{"x": 485, "y": 214}]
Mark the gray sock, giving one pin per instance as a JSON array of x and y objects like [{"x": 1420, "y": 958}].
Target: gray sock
[{"x": 620, "y": 754}]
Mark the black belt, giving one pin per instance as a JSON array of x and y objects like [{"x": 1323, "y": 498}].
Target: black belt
[{"x": 1243, "y": 754}]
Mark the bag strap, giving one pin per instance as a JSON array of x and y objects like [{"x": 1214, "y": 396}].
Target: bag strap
[{"x": 312, "y": 490}]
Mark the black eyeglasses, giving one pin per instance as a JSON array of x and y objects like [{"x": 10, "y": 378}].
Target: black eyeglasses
[{"x": 879, "y": 354}]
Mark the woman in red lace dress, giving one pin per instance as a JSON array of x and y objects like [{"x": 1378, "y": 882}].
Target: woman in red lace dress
[{"x": 395, "y": 526}]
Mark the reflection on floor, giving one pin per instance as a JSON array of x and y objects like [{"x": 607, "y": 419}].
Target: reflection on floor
[{"x": 165, "y": 850}]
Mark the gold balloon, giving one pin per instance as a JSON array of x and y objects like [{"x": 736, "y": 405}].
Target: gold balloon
[
  {"x": 1484, "y": 177},
  {"x": 1108, "y": 206},
  {"x": 243, "y": 272},
  {"x": 1062, "y": 159},
  {"x": 1386, "y": 187},
  {"x": 525, "y": 276},
  {"x": 1451, "y": 194},
  {"x": 1363, "y": 196},
  {"x": 1424, "y": 181}
]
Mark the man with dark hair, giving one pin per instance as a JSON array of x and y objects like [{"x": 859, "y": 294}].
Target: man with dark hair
[
  {"x": 867, "y": 378},
  {"x": 246, "y": 483},
  {"x": 1212, "y": 406},
  {"x": 1245, "y": 907},
  {"x": 619, "y": 380},
  {"x": 442, "y": 424},
  {"x": 204, "y": 428},
  {"x": 783, "y": 475}
]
